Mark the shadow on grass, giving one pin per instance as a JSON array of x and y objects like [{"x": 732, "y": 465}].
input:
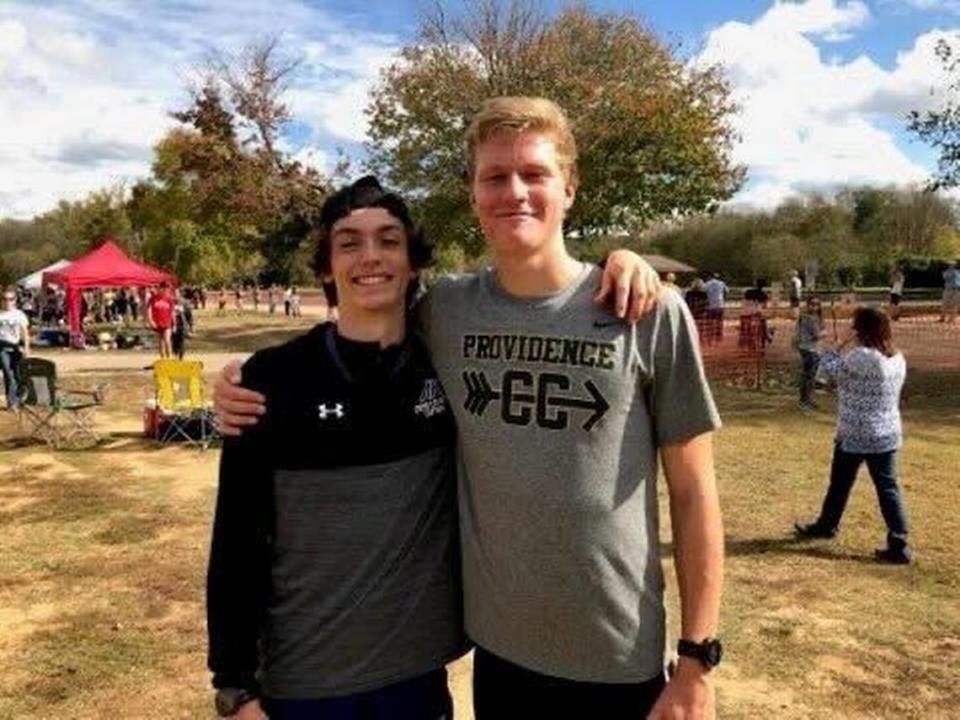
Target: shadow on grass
[
  {"x": 110, "y": 443},
  {"x": 244, "y": 339},
  {"x": 786, "y": 546}
]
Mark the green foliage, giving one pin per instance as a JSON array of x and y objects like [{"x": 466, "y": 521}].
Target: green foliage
[
  {"x": 855, "y": 238},
  {"x": 940, "y": 128},
  {"x": 654, "y": 133}
]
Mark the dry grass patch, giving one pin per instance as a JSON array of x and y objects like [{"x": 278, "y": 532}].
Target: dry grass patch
[{"x": 103, "y": 556}]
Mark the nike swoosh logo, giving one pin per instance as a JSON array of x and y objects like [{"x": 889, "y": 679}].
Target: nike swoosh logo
[{"x": 606, "y": 323}]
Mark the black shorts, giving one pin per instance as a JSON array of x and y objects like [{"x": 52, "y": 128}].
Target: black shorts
[
  {"x": 794, "y": 302},
  {"x": 424, "y": 697},
  {"x": 504, "y": 691},
  {"x": 895, "y": 298}
]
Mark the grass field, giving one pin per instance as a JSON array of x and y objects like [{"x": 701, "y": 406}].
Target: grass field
[{"x": 103, "y": 554}]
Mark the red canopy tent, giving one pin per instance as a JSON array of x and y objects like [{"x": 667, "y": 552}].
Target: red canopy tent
[{"x": 104, "y": 266}]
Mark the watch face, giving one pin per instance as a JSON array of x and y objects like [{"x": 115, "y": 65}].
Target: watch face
[{"x": 712, "y": 652}]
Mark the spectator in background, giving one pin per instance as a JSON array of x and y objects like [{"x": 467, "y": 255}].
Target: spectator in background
[
  {"x": 134, "y": 304},
  {"x": 256, "y": 297},
  {"x": 121, "y": 305},
  {"x": 696, "y": 299},
  {"x": 272, "y": 299},
  {"x": 757, "y": 295},
  {"x": 670, "y": 281},
  {"x": 897, "y": 280},
  {"x": 286, "y": 301},
  {"x": 755, "y": 333},
  {"x": 869, "y": 377},
  {"x": 951, "y": 293},
  {"x": 716, "y": 290},
  {"x": 808, "y": 334},
  {"x": 295, "y": 302},
  {"x": 28, "y": 305},
  {"x": 238, "y": 297},
  {"x": 221, "y": 301},
  {"x": 14, "y": 332},
  {"x": 109, "y": 310},
  {"x": 160, "y": 310},
  {"x": 795, "y": 292},
  {"x": 182, "y": 324}
]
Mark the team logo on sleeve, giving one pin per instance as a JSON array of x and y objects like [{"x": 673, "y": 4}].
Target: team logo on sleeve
[
  {"x": 432, "y": 401},
  {"x": 527, "y": 397}
]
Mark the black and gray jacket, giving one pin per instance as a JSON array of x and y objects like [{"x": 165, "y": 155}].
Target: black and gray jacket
[{"x": 334, "y": 566}]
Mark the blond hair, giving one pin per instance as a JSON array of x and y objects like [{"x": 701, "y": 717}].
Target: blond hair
[{"x": 523, "y": 114}]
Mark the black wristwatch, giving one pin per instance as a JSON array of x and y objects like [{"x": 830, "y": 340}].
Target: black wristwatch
[
  {"x": 709, "y": 652},
  {"x": 229, "y": 700}
]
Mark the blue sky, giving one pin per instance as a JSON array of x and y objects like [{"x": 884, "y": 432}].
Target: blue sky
[{"x": 824, "y": 84}]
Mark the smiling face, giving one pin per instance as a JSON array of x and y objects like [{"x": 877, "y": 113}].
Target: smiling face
[
  {"x": 520, "y": 194},
  {"x": 369, "y": 261}
]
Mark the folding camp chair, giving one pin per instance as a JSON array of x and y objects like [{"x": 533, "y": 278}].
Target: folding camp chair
[
  {"x": 62, "y": 418},
  {"x": 184, "y": 414}
]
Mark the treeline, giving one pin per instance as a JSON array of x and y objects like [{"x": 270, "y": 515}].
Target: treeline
[
  {"x": 852, "y": 239},
  {"x": 224, "y": 203}
]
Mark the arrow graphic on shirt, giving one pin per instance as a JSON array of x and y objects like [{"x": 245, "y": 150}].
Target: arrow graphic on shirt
[
  {"x": 480, "y": 393},
  {"x": 598, "y": 403}
]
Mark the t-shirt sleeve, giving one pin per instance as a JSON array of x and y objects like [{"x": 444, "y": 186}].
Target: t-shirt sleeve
[{"x": 681, "y": 401}]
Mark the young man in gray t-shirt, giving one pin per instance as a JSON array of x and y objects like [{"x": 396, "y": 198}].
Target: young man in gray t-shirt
[{"x": 562, "y": 412}]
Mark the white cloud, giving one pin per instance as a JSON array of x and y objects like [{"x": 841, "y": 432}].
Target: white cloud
[
  {"x": 809, "y": 123},
  {"x": 828, "y": 18},
  {"x": 86, "y": 85}
]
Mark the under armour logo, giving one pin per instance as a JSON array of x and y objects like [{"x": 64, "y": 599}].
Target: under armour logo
[{"x": 324, "y": 412}]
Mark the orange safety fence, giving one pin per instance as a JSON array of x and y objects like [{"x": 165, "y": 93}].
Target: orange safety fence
[{"x": 748, "y": 348}]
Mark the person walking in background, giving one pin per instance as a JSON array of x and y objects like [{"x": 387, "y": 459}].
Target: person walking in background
[
  {"x": 897, "y": 280},
  {"x": 287, "y": 295},
  {"x": 160, "y": 316},
  {"x": 808, "y": 334},
  {"x": 256, "y": 297},
  {"x": 869, "y": 372},
  {"x": 295, "y": 302},
  {"x": 14, "y": 332},
  {"x": 716, "y": 290},
  {"x": 221, "y": 301},
  {"x": 951, "y": 293}
]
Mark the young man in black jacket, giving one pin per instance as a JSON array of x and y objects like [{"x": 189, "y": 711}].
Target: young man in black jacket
[{"x": 333, "y": 589}]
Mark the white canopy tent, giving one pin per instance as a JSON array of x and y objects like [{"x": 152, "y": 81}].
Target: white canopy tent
[{"x": 34, "y": 280}]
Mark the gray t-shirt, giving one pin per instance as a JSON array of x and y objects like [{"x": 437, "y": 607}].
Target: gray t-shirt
[{"x": 560, "y": 409}]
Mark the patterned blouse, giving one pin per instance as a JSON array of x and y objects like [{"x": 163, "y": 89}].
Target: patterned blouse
[{"x": 868, "y": 389}]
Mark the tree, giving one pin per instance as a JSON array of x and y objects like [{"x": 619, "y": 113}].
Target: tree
[
  {"x": 654, "y": 133},
  {"x": 940, "y": 128},
  {"x": 225, "y": 204}
]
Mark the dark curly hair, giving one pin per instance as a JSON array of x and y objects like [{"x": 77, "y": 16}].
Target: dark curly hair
[{"x": 366, "y": 193}]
